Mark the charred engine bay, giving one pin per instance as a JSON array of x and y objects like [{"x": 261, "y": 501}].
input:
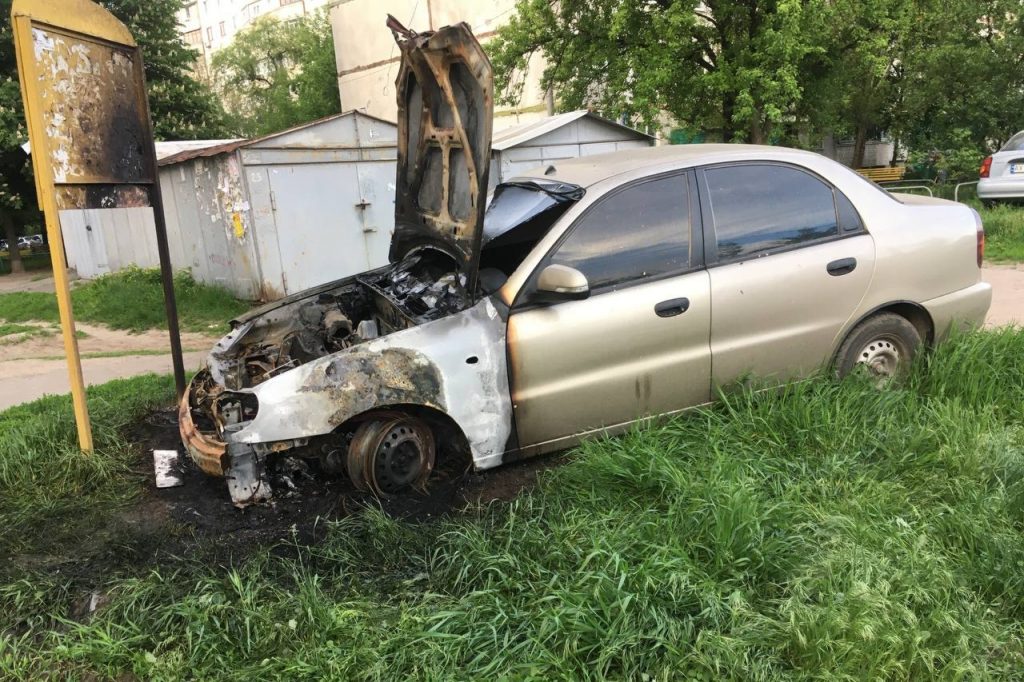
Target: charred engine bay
[{"x": 422, "y": 287}]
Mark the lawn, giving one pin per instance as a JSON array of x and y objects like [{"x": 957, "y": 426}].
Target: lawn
[
  {"x": 131, "y": 299},
  {"x": 826, "y": 531}
]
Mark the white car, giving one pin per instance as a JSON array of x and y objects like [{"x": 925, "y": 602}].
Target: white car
[{"x": 1002, "y": 174}]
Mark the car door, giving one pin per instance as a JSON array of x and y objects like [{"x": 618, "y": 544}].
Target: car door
[
  {"x": 638, "y": 345},
  {"x": 789, "y": 261}
]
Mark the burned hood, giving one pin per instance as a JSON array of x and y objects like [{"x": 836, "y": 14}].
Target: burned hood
[{"x": 445, "y": 111}]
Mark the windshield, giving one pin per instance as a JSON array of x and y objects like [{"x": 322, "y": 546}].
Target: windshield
[{"x": 1015, "y": 143}]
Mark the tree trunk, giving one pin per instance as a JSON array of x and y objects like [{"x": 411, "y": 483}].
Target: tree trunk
[
  {"x": 11, "y": 235},
  {"x": 895, "y": 151},
  {"x": 757, "y": 135},
  {"x": 860, "y": 143},
  {"x": 728, "y": 132}
]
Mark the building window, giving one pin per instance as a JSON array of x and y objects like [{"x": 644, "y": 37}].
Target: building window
[
  {"x": 209, "y": 34},
  {"x": 223, "y": 32}
]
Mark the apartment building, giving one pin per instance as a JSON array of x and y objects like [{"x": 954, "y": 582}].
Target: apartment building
[
  {"x": 367, "y": 58},
  {"x": 210, "y": 25}
]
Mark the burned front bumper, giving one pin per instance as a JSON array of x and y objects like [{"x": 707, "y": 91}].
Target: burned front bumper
[{"x": 208, "y": 452}]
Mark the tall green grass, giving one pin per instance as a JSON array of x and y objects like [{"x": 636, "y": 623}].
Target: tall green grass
[
  {"x": 824, "y": 531},
  {"x": 1004, "y": 233},
  {"x": 131, "y": 299}
]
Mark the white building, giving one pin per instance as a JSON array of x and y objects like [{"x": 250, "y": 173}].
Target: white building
[
  {"x": 368, "y": 59},
  {"x": 210, "y": 25}
]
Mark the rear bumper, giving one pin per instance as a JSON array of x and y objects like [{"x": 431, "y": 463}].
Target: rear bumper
[
  {"x": 1001, "y": 188},
  {"x": 209, "y": 453},
  {"x": 964, "y": 308}
]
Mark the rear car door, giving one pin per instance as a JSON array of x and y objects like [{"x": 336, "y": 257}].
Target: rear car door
[
  {"x": 639, "y": 344},
  {"x": 789, "y": 261}
]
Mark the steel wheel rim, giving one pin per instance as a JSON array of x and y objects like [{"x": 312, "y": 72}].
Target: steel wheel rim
[
  {"x": 391, "y": 455},
  {"x": 883, "y": 357}
]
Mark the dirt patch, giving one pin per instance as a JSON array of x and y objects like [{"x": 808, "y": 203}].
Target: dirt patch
[
  {"x": 98, "y": 339},
  {"x": 198, "y": 518}
]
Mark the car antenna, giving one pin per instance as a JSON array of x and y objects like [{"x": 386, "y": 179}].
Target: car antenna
[{"x": 549, "y": 170}]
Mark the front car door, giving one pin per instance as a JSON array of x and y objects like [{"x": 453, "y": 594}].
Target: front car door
[
  {"x": 789, "y": 261},
  {"x": 638, "y": 345}
]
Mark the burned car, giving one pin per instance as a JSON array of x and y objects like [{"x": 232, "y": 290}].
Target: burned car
[{"x": 590, "y": 294}]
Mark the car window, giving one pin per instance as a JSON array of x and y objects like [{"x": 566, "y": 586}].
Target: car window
[
  {"x": 640, "y": 232},
  {"x": 849, "y": 219},
  {"x": 1015, "y": 143},
  {"x": 759, "y": 209}
]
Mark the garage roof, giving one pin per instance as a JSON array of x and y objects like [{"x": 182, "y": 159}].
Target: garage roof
[{"x": 521, "y": 134}]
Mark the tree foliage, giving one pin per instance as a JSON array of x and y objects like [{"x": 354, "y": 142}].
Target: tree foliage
[
  {"x": 275, "y": 74},
  {"x": 720, "y": 65},
  {"x": 931, "y": 72}
]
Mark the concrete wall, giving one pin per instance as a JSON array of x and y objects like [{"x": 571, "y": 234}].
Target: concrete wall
[{"x": 367, "y": 57}]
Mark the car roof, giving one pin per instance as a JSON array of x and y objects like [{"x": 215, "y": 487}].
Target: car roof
[{"x": 588, "y": 170}]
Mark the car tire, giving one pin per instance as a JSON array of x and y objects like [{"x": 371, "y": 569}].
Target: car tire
[{"x": 884, "y": 344}]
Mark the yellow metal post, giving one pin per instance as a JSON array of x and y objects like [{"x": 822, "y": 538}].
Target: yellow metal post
[{"x": 22, "y": 26}]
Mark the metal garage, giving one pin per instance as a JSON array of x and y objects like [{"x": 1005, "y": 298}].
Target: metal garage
[
  {"x": 263, "y": 217},
  {"x": 565, "y": 136}
]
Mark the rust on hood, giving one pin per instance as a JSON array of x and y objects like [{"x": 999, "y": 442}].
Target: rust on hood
[{"x": 445, "y": 98}]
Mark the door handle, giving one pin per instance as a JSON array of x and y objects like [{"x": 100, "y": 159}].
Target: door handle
[
  {"x": 843, "y": 266},
  {"x": 672, "y": 307}
]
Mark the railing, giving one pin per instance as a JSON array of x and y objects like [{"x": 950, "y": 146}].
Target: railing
[
  {"x": 956, "y": 190},
  {"x": 903, "y": 185}
]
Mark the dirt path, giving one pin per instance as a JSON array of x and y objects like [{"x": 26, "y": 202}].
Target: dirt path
[
  {"x": 1007, "y": 294},
  {"x": 28, "y": 379}
]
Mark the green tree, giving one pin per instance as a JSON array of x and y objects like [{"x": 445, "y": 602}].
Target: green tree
[
  {"x": 720, "y": 65},
  {"x": 964, "y": 76},
  {"x": 852, "y": 82},
  {"x": 17, "y": 194},
  {"x": 275, "y": 75}
]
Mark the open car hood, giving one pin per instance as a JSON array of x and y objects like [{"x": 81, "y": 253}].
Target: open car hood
[{"x": 445, "y": 92}]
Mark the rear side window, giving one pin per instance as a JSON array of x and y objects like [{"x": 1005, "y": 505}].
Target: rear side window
[
  {"x": 637, "y": 233},
  {"x": 1015, "y": 143},
  {"x": 759, "y": 209}
]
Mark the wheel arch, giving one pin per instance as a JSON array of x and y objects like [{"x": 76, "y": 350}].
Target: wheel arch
[{"x": 913, "y": 312}]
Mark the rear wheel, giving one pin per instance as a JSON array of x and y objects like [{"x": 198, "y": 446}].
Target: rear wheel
[
  {"x": 391, "y": 454},
  {"x": 884, "y": 346}
]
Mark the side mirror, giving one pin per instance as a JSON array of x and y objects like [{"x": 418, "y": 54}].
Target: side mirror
[{"x": 562, "y": 283}]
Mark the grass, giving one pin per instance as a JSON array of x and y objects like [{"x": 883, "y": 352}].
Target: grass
[
  {"x": 827, "y": 531},
  {"x": 131, "y": 299},
  {"x": 1004, "y": 233},
  {"x": 10, "y": 329},
  {"x": 48, "y": 490}
]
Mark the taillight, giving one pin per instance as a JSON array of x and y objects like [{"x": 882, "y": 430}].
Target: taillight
[{"x": 986, "y": 167}]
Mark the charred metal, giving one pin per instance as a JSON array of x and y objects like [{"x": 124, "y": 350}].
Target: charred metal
[{"x": 366, "y": 374}]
